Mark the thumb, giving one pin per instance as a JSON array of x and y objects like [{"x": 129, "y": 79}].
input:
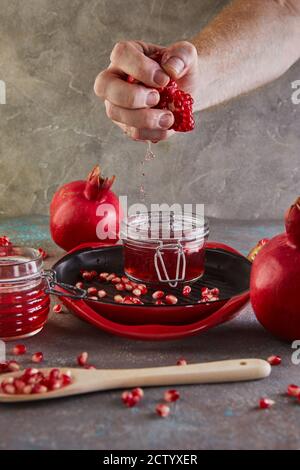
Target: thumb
[{"x": 179, "y": 59}]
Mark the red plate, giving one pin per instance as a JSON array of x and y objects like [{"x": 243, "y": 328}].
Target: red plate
[{"x": 225, "y": 268}]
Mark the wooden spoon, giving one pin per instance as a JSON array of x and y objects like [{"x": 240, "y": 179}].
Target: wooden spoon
[{"x": 86, "y": 381}]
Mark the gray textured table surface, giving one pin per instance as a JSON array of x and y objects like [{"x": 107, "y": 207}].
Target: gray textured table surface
[{"x": 206, "y": 417}]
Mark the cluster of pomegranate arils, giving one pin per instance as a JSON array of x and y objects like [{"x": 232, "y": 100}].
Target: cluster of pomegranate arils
[
  {"x": 5, "y": 241},
  {"x": 32, "y": 380},
  {"x": 135, "y": 290},
  {"x": 131, "y": 398}
]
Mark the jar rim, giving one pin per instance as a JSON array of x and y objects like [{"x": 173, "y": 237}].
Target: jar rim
[
  {"x": 18, "y": 250},
  {"x": 160, "y": 226}
]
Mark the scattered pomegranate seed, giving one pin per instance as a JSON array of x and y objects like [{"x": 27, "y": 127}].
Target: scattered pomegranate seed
[
  {"x": 101, "y": 294},
  {"x": 57, "y": 308},
  {"x": 129, "y": 399},
  {"x": 186, "y": 291},
  {"x": 265, "y": 403},
  {"x": 120, "y": 286},
  {"x": 79, "y": 285},
  {"x": 142, "y": 288},
  {"x": 162, "y": 410},
  {"x": 118, "y": 299},
  {"x": 129, "y": 287},
  {"x": 159, "y": 302},
  {"x": 103, "y": 276},
  {"x": 274, "y": 360},
  {"x": 171, "y": 299},
  {"x": 159, "y": 294},
  {"x": 293, "y": 390},
  {"x": 172, "y": 395},
  {"x": 43, "y": 253},
  {"x": 87, "y": 276},
  {"x": 138, "y": 392},
  {"x": 125, "y": 279},
  {"x": 110, "y": 277},
  {"x": 181, "y": 362},
  {"x": 116, "y": 280},
  {"x": 13, "y": 366},
  {"x": 82, "y": 358},
  {"x": 19, "y": 349},
  {"x": 37, "y": 357}
]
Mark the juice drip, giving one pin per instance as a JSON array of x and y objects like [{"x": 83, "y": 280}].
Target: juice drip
[{"x": 148, "y": 157}]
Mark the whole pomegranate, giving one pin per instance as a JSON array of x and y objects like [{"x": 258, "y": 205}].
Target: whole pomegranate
[
  {"x": 275, "y": 280},
  {"x": 85, "y": 211}
]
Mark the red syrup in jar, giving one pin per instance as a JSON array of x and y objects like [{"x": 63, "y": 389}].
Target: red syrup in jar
[
  {"x": 170, "y": 253},
  {"x": 24, "y": 305}
]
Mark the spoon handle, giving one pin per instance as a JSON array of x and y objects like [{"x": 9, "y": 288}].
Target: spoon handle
[{"x": 212, "y": 372}]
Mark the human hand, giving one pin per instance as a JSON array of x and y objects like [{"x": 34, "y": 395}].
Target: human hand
[{"x": 130, "y": 106}]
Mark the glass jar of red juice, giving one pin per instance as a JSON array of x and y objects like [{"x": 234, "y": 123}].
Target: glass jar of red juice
[
  {"x": 24, "y": 304},
  {"x": 164, "y": 247}
]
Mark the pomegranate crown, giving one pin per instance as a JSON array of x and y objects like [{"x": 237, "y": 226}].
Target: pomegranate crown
[
  {"x": 97, "y": 185},
  {"x": 292, "y": 223}
]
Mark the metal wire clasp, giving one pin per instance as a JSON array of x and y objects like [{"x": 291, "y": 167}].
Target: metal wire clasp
[
  {"x": 73, "y": 292},
  {"x": 158, "y": 258}
]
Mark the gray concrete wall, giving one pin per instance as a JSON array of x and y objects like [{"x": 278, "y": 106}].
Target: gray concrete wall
[{"x": 242, "y": 161}]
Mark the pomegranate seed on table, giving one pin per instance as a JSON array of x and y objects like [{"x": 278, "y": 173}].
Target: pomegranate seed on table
[
  {"x": 82, "y": 358},
  {"x": 274, "y": 360},
  {"x": 103, "y": 276},
  {"x": 129, "y": 399},
  {"x": 181, "y": 362},
  {"x": 265, "y": 403},
  {"x": 162, "y": 410},
  {"x": 19, "y": 349},
  {"x": 92, "y": 291},
  {"x": 171, "y": 396},
  {"x": 171, "y": 299},
  {"x": 118, "y": 299},
  {"x": 57, "y": 308},
  {"x": 43, "y": 253},
  {"x": 293, "y": 390},
  {"x": 37, "y": 357},
  {"x": 101, "y": 294},
  {"x": 138, "y": 392},
  {"x": 159, "y": 294},
  {"x": 186, "y": 291}
]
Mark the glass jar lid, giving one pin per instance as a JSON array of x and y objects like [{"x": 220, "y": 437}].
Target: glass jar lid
[
  {"x": 19, "y": 263},
  {"x": 160, "y": 226}
]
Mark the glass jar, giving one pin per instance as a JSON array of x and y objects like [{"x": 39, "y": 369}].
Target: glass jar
[
  {"x": 164, "y": 247},
  {"x": 24, "y": 304}
]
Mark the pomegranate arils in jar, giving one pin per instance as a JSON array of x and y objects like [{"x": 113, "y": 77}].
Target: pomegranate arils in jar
[
  {"x": 171, "y": 299},
  {"x": 82, "y": 358},
  {"x": 265, "y": 403},
  {"x": 37, "y": 357},
  {"x": 101, "y": 293},
  {"x": 186, "y": 291},
  {"x": 19, "y": 349},
  {"x": 293, "y": 390},
  {"x": 274, "y": 360},
  {"x": 171, "y": 396},
  {"x": 162, "y": 410},
  {"x": 57, "y": 308},
  {"x": 159, "y": 294}
]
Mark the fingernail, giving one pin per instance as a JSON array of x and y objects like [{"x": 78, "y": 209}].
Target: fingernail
[
  {"x": 152, "y": 98},
  {"x": 166, "y": 120},
  {"x": 176, "y": 64},
  {"x": 161, "y": 78}
]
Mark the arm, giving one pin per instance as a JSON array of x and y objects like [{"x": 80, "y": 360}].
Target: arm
[{"x": 249, "y": 44}]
